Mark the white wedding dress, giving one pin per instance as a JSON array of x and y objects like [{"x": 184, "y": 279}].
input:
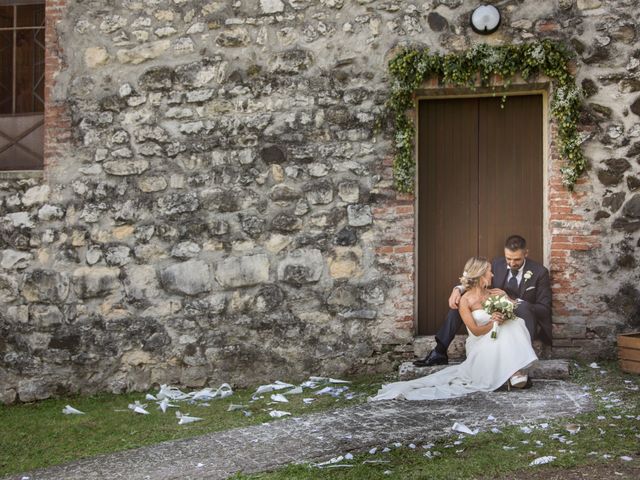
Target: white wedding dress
[{"x": 489, "y": 364}]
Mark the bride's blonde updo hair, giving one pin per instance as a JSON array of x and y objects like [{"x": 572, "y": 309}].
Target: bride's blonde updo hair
[{"x": 474, "y": 269}]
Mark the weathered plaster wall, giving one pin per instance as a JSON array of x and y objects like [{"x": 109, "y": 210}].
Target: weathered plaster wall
[{"x": 217, "y": 204}]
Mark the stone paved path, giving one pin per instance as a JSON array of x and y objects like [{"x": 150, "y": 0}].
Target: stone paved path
[{"x": 323, "y": 435}]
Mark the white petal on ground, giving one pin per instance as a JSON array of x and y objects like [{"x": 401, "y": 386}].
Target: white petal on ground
[
  {"x": 278, "y": 385},
  {"x": 278, "y": 413},
  {"x": 373, "y": 450},
  {"x": 172, "y": 393},
  {"x": 69, "y": 410},
  {"x": 335, "y": 380},
  {"x": 186, "y": 418},
  {"x": 277, "y": 397},
  {"x": 491, "y": 418},
  {"x": 542, "y": 460},
  {"x": 308, "y": 400},
  {"x": 626, "y": 458},
  {"x": 293, "y": 391},
  {"x": 205, "y": 394},
  {"x": 150, "y": 397},
  {"x": 138, "y": 407},
  {"x": 330, "y": 462},
  {"x": 233, "y": 407},
  {"x": 462, "y": 428},
  {"x": 164, "y": 404},
  {"x": 594, "y": 365},
  {"x": 324, "y": 391}
]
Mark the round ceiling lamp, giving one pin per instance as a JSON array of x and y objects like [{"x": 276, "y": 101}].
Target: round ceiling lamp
[{"x": 485, "y": 19}]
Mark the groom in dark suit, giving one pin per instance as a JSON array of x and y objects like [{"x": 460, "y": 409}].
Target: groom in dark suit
[{"x": 524, "y": 280}]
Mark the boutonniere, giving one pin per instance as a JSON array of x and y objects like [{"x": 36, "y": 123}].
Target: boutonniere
[{"x": 527, "y": 275}]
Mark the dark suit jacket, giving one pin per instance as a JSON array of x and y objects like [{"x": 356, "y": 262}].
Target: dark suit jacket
[{"x": 536, "y": 290}]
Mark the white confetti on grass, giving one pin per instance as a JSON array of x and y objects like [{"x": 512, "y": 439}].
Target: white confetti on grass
[
  {"x": 186, "y": 418},
  {"x": 542, "y": 460},
  {"x": 293, "y": 391},
  {"x": 277, "y": 397},
  {"x": 331, "y": 461},
  {"x": 278, "y": 414},
  {"x": 69, "y": 410},
  {"x": 462, "y": 428},
  {"x": 138, "y": 407}
]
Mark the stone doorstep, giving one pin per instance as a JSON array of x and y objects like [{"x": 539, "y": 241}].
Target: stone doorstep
[
  {"x": 557, "y": 369},
  {"x": 423, "y": 344}
]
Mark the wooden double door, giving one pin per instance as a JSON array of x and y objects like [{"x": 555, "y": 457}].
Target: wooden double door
[{"x": 480, "y": 179}]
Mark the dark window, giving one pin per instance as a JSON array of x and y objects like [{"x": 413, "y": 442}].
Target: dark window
[{"x": 21, "y": 84}]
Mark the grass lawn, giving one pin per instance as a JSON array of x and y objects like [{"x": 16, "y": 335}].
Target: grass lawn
[
  {"x": 610, "y": 432},
  {"x": 38, "y": 434}
]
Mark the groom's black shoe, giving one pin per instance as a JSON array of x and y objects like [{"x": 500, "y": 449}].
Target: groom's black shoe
[{"x": 434, "y": 358}]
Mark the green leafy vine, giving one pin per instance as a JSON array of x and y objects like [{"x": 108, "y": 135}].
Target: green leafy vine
[{"x": 411, "y": 67}]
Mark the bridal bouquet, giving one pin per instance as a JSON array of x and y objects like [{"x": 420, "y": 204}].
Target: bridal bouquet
[{"x": 500, "y": 304}]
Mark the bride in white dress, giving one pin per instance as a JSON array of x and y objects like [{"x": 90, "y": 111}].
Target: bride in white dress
[{"x": 490, "y": 362}]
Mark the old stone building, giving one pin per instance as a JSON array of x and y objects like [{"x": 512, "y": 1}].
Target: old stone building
[{"x": 214, "y": 201}]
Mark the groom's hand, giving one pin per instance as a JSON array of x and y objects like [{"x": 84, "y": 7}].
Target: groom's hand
[{"x": 454, "y": 299}]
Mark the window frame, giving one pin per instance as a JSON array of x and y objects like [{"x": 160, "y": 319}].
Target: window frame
[{"x": 14, "y": 141}]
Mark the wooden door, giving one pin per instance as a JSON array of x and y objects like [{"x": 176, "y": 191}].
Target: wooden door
[{"x": 479, "y": 181}]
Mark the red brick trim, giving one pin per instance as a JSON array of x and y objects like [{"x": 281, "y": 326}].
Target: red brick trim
[
  {"x": 57, "y": 119},
  {"x": 567, "y": 231}
]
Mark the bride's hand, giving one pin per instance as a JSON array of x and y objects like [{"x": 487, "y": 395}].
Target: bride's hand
[
  {"x": 497, "y": 317},
  {"x": 497, "y": 291}
]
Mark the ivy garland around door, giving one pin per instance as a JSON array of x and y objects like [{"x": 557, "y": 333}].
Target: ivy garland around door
[{"x": 411, "y": 67}]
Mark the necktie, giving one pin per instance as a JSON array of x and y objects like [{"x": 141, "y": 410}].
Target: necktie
[{"x": 512, "y": 284}]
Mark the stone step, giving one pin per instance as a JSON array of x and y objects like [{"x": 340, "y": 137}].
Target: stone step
[{"x": 555, "y": 369}]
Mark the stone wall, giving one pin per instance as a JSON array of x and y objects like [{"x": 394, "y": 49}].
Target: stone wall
[{"x": 217, "y": 203}]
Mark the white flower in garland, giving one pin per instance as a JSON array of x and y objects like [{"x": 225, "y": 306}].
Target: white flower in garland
[{"x": 537, "y": 53}]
